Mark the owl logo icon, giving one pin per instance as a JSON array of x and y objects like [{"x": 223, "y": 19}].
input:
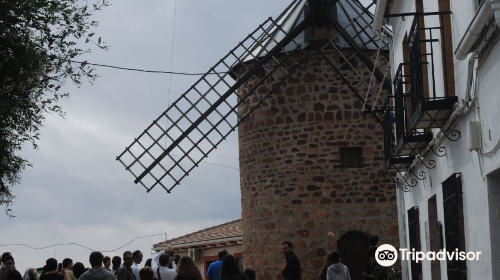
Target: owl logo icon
[{"x": 386, "y": 255}]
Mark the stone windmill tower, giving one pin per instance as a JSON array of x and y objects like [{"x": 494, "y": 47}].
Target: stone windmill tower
[{"x": 306, "y": 93}]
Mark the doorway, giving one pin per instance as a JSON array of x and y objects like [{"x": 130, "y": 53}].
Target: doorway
[{"x": 353, "y": 245}]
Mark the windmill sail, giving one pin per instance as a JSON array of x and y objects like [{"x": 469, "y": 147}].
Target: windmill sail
[{"x": 196, "y": 123}]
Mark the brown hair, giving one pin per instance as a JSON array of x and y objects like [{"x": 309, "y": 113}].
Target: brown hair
[{"x": 188, "y": 269}]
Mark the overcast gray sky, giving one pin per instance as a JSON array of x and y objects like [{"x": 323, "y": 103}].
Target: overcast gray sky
[{"x": 77, "y": 191}]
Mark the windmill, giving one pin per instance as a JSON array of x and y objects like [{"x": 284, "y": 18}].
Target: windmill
[{"x": 329, "y": 47}]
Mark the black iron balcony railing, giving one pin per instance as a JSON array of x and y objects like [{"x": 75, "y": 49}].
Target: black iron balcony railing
[
  {"x": 400, "y": 80},
  {"x": 408, "y": 141},
  {"x": 432, "y": 93},
  {"x": 393, "y": 161}
]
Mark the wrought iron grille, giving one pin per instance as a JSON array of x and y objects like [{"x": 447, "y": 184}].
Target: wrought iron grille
[
  {"x": 388, "y": 135},
  {"x": 400, "y": 80},
  {"x": 453, "y": 223},
  {"x": 433, "y": 38},
  {"x": 196, "y": 123},
  {"x": 414, "y": 234}
]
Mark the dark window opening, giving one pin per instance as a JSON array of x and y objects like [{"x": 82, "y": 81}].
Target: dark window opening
[
  {"x": 351, "y": 157},
  {"x": 454, "y": 224}
]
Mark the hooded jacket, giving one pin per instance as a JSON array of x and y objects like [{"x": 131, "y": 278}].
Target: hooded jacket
[
  {"x": 338, "y": 271},
  {"x": 97, "y": 274}
]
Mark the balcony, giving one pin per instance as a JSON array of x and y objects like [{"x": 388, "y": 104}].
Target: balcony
[
  {"x": 408, "y": 141},
  {"x": 431, "y": 70},
  {"x": 393, "y": 161}
]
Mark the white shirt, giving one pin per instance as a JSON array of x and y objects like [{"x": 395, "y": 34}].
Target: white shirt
[
  {"x": 135, "y": 270},
  {"x": 165, "y": 272}
]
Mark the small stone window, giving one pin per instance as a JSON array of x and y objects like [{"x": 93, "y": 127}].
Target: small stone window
[{"x": 351, "y": 157}]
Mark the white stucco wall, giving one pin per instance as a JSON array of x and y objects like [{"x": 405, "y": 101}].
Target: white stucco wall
[{"x": 481, "y": 193}]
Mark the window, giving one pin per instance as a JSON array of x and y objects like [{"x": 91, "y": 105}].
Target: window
[
  {"x": 414, "y": 236},
  {"x": 351, "y": 157},
  {"x": 454, "y": 224}
]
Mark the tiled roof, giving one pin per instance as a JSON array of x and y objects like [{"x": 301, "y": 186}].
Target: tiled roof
[{"x": 216, "y": 233}]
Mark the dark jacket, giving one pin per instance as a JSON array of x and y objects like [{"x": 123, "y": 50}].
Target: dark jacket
[
  {"x": 240, "y": 276},
  {"x": 292, "y": 269},
  {"x": 125, "y": 273},
  {"x": 52, "y": 276},
  {"x": 14, "y": 275},
  {"x": 372, "y": 268}
]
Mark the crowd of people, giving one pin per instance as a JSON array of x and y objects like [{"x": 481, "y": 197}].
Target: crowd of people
[
  {"x": 164, "y": 266},
  {"x": 168, "y": 266}
]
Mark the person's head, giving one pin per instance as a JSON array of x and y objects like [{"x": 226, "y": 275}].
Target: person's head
[
  {"x": 286, "y": 247},
  {"x": 78, "y": 269},
  {"x": 250, "y": 273},
  {"x": 164, "y": 260},
  {"x": 374, "y": 240},
  {"x": 95, "y": 259},
  {"x": 9, "y": 263},
  {"x": 137, "y": 256},
  {"x": 336, "y": 256},
  {"x": 148, "y": 262},
  {"x": 67, "y": 263},
  {"x": 32, "y": 274},
  {"x": 50, "y": 264},
  {"x": 128, "y": 259},
  {"x": 116, "y": 261},
  {"x": 188, "y": 269},
  {"x": 229, "y": 266},
  {"x": 222, "y": 253},
  {"x": 146, "y": 273},
  {"x": 106, "y": 261},
  {"x": 5, "y": 255}
]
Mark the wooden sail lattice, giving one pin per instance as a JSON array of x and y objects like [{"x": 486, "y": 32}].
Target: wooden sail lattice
[
  {"x": 201, "y": 118},
  {"x": 353, "y": 41},
  {"x": 198, "y": 121}
]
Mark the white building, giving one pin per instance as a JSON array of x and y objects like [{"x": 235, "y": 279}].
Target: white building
[{"x": 443, "y": 132}]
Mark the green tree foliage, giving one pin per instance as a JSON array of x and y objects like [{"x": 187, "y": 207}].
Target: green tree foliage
[{"x": 38, "y": 41}]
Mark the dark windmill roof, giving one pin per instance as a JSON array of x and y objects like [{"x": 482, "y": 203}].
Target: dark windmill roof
[{"x": 351, "y": 15}]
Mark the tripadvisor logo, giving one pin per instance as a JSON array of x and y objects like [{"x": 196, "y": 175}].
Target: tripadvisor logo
[{"x": 386, "y": 255}]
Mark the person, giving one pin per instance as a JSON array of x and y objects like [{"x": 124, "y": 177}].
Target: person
[
  {"x": 177, "y": 258},
  {"x": 32, "y": 274},
  {"x": 324, "y": 269},
  {"x": 163, "y": 267},
  {"x": 292, "y": 269},
  {"x": 373, "y": 270},
  {"x": 250, "y": 273},
  {"x": 137, "y": 260},
  {"x": 116, "y": 262},
  {"x": 97, "y": 272},
  {"x": 3, "y": 268},
  {"x": 50, "y": 271},
  {"x": 148, "y": 263},
  {"x": 107, "y": 263},
  {"x": 67, "y": 264},
  {"x": 78, "y": 269},
  {"x": 10, "y": 268},
  {"x": 146, "y": 273},
  {"x": 214, "y": 268},
  {"x": 337, "y": 271},
  {"x": 230, "y": 270},
  {"x": 187, "y": 270},
  {"x": 125, "y": 271}
]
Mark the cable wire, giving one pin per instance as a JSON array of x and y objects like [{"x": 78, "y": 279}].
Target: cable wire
[{"x": 77, "y": 244}]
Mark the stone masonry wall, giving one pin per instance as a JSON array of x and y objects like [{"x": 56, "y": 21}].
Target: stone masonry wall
[{"x": 292, "y": 184}]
